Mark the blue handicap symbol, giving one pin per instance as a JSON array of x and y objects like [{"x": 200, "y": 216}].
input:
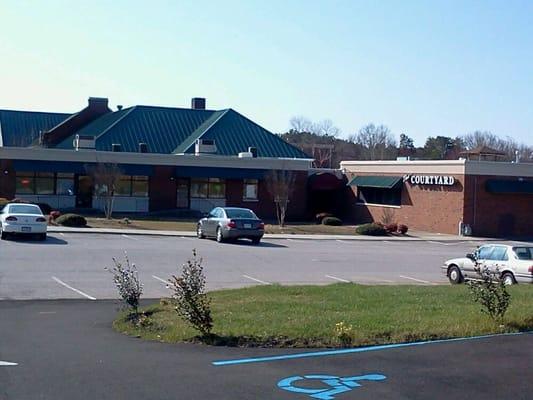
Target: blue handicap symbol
[{"x": 336, "y": 384}]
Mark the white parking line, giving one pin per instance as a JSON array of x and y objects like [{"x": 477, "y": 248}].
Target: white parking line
[
  {"x": 257, "y": 280},
  {"x": 129, "y": 237},
  {"x": 7, "y": 364},
  {"x": 73, "y": 289},
  {"x": 61, "y": 233},
  {"x": 372, "y": 279},
  {"x": 160, "y": 280},
  {"x": 342, "y": 241},
  {"x": 337, "y": 279},
  {"x": 444, "y": 244},
  {"x": 417, "y": 280}
]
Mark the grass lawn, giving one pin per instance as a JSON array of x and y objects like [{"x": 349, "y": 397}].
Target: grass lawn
[
  {"x": 305, "y": 316},
  {"x": 190, "y": 225}
]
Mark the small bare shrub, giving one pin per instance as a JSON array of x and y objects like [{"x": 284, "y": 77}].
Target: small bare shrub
[
  {"x": 126, "y": 279},
  {"x": 491, "y": 292},
  {"x": 388, "y": 216},
  {"x": 191, "y": 302}
]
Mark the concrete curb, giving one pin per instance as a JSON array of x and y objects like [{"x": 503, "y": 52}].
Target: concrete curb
[{"x": 436, "y": 238}]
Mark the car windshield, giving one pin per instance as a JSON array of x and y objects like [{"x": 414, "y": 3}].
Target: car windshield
[
  {"x": 24, "y": 209},
  {"x": 524, "y": 253},
  {"x": 240, "y": 213}
]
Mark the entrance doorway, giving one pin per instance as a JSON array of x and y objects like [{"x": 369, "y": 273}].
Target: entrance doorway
[
  {"x": 182, "y": 193},
  {"x": 84, "y": 192}
]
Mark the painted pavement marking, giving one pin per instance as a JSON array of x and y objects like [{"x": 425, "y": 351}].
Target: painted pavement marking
[
  {"x": 73, "y": 289},
  {"x": 328, "y": 353},
  {"x": 417, "y": 280},
  {"x": 257, "y": 280},
  {"x": 335, "y": 384},
  {"x": 337, "y": 278},
  {"x": 7, "y": 364},
  {"x": 343, "y": 241},
  {"x": 129, "y": 237},
  {"x": 160, "y": 280}
]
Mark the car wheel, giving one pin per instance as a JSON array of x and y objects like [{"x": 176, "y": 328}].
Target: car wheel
[
  {"x": 3, "y": 235},
  {"x": 454, "y": 275},
  {"x": 42, "y": 237},
  {"x": 256, "y": 240},
  {"x": 220, "y": 236},
  {"x": 508, "y": 278},
  {"x": 199, "y": 232}
]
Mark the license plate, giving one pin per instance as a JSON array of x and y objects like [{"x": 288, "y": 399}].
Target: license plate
[
  {"x": 25, "y": 229},
  {"x": 247, "y": 226}
]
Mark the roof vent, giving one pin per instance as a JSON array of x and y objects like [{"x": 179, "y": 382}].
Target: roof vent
[
  {"x": 119, "y": 107},
  {"x": 83, "y": 142},
  {"x": 198, "y": 103},
  {"x": 143, "y": 148},
  {"x": 116, "y": 147},
  {"x": 205, "y": 146},
  {"x": 253, "y": 150},
  {"x": 245, "y": 154}
]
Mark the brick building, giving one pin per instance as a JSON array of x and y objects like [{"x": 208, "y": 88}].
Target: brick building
[
  {"x": 489, "y": 198},
  {"x": 170, "y": 158}
]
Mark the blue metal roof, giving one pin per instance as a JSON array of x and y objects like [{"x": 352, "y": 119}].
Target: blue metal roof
[
  {"x": 165, "y": 130},
  {"x": 22, "y": 128}
]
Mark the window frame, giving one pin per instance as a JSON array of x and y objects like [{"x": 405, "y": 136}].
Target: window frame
[{"x": 245, "y": 184}]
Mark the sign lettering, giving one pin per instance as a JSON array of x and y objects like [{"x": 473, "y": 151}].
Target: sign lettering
[{"x": 443, "y": 180}]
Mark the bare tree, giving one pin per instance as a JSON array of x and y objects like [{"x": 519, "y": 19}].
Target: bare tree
[
  {"x": 280, "y": 184},
  {"x": 322, "y": 154},
  {"x": 105, "y": 178},
  {"x": 325, "y": 127},
  {"x": 377, "y": 140},
  {"x": 301, "y": 124}
]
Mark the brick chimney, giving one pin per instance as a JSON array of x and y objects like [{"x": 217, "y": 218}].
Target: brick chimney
[
  {"x": 97, "y": 107},
  {"x": 198, "y": 103}
]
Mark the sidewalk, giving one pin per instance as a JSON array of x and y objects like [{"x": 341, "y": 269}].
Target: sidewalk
[{"x": 414, "y": 237}]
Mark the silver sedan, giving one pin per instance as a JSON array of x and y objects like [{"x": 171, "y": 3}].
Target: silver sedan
[{"x": 231, "y": 223}]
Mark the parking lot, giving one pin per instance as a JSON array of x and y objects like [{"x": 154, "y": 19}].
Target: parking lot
[
  {"x": 71, "y": 265},
  {"x": 67, "y": 350}
]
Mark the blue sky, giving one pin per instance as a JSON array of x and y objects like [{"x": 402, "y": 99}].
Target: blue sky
[{"x": 420, "y": 67}]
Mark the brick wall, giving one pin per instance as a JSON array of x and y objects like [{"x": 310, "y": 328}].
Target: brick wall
[
  {"x": 497, "y": 214},
  {"x": 426, "y": 208},
  {"x": 264, "y": 207},
  {"x": 7, "y": 181},
  {"x": 162, "y": 189}
]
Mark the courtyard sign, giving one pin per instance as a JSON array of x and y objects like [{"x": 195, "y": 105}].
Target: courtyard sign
[{"x": 431, "y": 180}]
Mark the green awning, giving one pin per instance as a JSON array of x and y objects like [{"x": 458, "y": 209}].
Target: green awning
[
  {"x": 507, "y": 186},
  {"x": 384, "y": 182}
]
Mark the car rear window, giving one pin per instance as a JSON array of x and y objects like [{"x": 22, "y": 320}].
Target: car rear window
[
  {"x": 24, "y": 209},
  {"x": 240, "y": 213},
  {"x": 524, "y": 253}
]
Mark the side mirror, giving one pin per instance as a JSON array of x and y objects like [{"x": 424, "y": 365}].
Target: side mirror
[
  {"x": 471, "y": 256},
  {"x": 207, "y": 215}
]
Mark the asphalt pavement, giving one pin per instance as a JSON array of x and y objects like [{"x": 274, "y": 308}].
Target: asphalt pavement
[
  {"x": 67, "y": 350},
  {"x": 73, "y": 265}
]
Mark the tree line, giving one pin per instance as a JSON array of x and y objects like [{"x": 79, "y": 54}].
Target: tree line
[{"x": 322, "y": 141}]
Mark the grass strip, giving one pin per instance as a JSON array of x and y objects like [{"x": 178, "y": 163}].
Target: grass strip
[{"x": 305, "y": 316}]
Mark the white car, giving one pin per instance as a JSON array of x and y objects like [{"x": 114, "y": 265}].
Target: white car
[
  {"x": 20, "y": 218},
  {"x": 513, "y": 263}
]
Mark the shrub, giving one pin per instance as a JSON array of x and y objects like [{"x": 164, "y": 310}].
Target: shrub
[
  {"x": 371, "y": 230},
  {"x": 333, "y": 221},
  {"x": 403, "y": 229},
  {"x": 388, "y": 216},
  {"x": 45, "y": 208},
  {"x": 55, "y": 215},
  {"x": 73, "y": 220},
  {"x": 391, "y": 228},
  {"x": 191, "y": 302},
  {"x": 320, "y": 216},
  {"x": 126, "y": 279},
  {"x": 490, "y": 292},
  {"x": 344, "y": 333}
]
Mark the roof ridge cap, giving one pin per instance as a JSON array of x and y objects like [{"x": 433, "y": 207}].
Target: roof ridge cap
[
  {"x": 127, "y": 111},
  {"x": 198, "y": 136}
]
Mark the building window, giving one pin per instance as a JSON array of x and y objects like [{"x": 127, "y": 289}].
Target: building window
[
  {"x": 250, "y": 189},
  {"x": 372, "y": 195},
  {"x": 25, "y": 183},
  {"x": 212, "y": 188},
  {"x": 139, "y": 186},
  {"x": 65, "y": 184},
  {"x": 44, "y": 183}
]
